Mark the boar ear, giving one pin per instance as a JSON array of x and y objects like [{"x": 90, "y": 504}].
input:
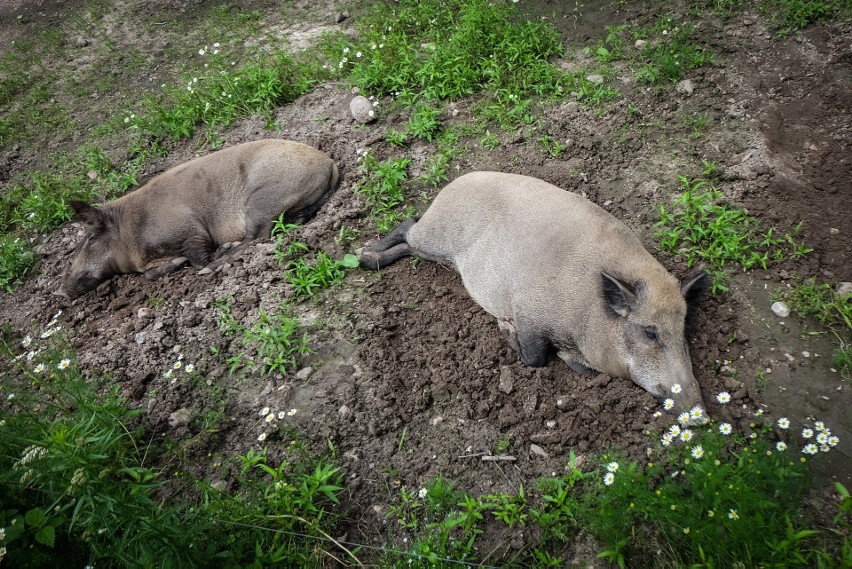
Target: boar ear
[
  {"x": 619, "y": 295},
  {"x": 92, "y": 217},
  {"x": 693, "y": 286}
]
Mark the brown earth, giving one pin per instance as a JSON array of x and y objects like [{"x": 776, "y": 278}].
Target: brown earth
[{"x": 410, "y": 378}]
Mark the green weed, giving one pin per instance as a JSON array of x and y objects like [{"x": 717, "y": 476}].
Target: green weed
[
  {"x": 489, "y": 141},
  {"x": 698, "y": 124},
  {"x": 383, "y": 187},
  {"x": 552, "y": 146},
  {"x": 308, "y": 277},
  {"x": 424, "y": 122},
  {"x": 16, "y": 259},
  {"x": 436, "y": 170},
  {"x": 705, "y": 229},
  {"x": 396, "y": 138},
  {"x": 278, "y": 340}
]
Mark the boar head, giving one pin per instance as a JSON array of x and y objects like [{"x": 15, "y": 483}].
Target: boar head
[
  {"x": 95, "y": 262},
  {"x": 651, "y": 321}
]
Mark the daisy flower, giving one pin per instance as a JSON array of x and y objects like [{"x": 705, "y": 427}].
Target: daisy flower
[
  {"x": 810, "y": 448},
  {"x": 683, "y": 418},
  {"x": 39, "y": 368},
  {"x": 668, "y": 404},
  {"x": 64, "y": 364},
  {"x": 612, "y": 466},
  {"x": 697, "y": 452},
  {"x": 780, "y": 446},
  {"x": 819, "y": 426},
  {"x": 686, "y": 435},
  {"x": 733, "y": 514},
  {"x": 27, "y": 341},
  {"x": 832, "y": 441},
  {"x": 422, "y": 493},
  {"x": 177, "y": 365},
  {"x": 292, "y": 412},
  {"x": 783, "y": 423},
  {"x": 807, "y": 433},
  {"x": 269, "y": 418},
  {"x": 609, "y": 478},
  {"x": 674, "y": 430},
  {"x": 264, "y": 411},
  {"x": 822, "y": 438},
  {"x": 696, "y": 412},
  {"x": 667, "y": 439},
  {"x": 261, "y": 437},
  {"x": 723, "y": 397},
  {"x": 676, "y": 388},
  {"x": 281, "y": 414},
  {"x": 725, "y": 428}
]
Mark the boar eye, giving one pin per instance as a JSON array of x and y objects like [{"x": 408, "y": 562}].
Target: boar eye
[{"x": 651, "y": 333}]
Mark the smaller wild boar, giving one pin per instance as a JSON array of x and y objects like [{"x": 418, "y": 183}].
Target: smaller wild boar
[
  {"x": 557, "y": 270},
  {"x": 188, "y": 212}
]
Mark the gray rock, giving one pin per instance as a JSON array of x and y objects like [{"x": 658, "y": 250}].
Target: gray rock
[
  {"x": 595, "y": 78},
  {"x": 506, "y": 384},
  {"x": 362, "y": 109},
  {"x": 341, "y": 16},
  {"x": 344, "y": 411},
  {"x": 80, "y": 41},
  {"x": 551, "y": 424},
  {"x": 640, "y": 44},
  {"x": 141, "y": 337},
  {"x": 538, "y": 451},
  {"x": 180, "y": 418},
  {"x": 686, "y": 87},
  {"x": 220, "y": 485},
  {"x": 304, "y": 373},
  {"x": 144, "y": 313},
  {"x": 780, "y": 309},
  {"x": 843, "y": 289}
]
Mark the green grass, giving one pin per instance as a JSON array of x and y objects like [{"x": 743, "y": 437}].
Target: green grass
[
  {"x": 16, "y": 260},
  {"x": 707, "y": 230},
  {"x": 383, "y": 187}
]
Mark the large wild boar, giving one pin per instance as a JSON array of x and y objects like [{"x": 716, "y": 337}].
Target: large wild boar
[
  {"x": 188, "y": 212},
  {"x": 557, "y": 270}
]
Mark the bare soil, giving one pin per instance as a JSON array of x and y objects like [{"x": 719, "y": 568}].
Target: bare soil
[{"x": 410, "y": 378}]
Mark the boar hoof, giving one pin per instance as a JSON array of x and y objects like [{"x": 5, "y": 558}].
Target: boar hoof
[{"x": 578, "y": 367}]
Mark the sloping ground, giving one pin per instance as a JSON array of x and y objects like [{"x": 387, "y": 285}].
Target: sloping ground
[{"x": 410, "y": 379}]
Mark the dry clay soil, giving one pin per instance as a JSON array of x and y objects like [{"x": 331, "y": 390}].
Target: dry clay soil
[{"x": 409, "y": 378}]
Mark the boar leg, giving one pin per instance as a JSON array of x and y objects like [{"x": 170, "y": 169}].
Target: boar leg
[
  {"x": 165, "y": 268},
  {"x": 388, "y": 249}
]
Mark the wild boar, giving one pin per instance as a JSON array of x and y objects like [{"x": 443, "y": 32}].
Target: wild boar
[
  {"x": 190, "y": 211},
  {"x": 556, "y": 270}
]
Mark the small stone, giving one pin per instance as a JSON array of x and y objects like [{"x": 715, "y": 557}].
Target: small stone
[
  {"x": 562, "y": 402},
  {"x": 595, "y": 78},
  {"x": 220, "y": 485},
  {"x": 538, "y": 451},
  {"x": 428, "y": 46},
  {"x": 506, "y": 384},
  {"x": 362, "y": 109},
  {"x": 686, "y": 86},
  {"x": 80, "y": 41},
  {"x": 640, "y": 44},
  {"x": 843, "y": 289},
  {"x": 834, "y": 231},
  {"x": 179, "y": 418},
  {"x": 141, "y": 337},
  {"x": 551, "y": 424},
  {"x": 205, "y": 271},
  {"x": 607, "y": 203},
  {"x": 780, "y": 309},
  {"x": 344, "y": 412},
  {"x": 806, "y": 354},
  {"x": 92, "y": 175},
  {"x": 437, "y": 421},
  {"x": 304, "y": 373},
  {"x": 144, "y": 313},
  {"x": 341, "y": 16}
]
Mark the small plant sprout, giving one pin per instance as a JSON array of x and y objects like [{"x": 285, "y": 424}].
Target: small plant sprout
[
  {"x": 676, "y": 388},
  {"x": 697, "y": 452},
  {"x": 609, "y": 478},
  {"x": 64, "y": 364},
  {"x": 723, "y": 397},
  {"x": 612, "y": 466},
  {"x": 668, "y": 404},
  {"x": 807, "y": 433},
  {"x": 725, "y": 428},
  {"x": 783, "y": 423}
]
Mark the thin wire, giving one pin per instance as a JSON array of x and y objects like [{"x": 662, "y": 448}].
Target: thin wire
[{"x": 359, "y": 545}]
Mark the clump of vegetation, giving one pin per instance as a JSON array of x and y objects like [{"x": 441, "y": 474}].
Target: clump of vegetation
[
  {"x": 16, "y": 259},
  {"x": 383, "y": 188},
  {"x": 705, "y": 229},
  {"x": 830, "y": 308}
]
